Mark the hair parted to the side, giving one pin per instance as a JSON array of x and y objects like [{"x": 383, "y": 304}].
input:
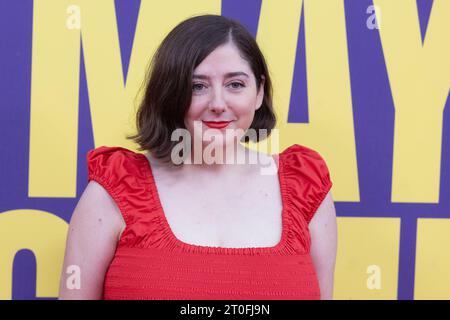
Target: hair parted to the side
[{"x": 168, "y": 89}]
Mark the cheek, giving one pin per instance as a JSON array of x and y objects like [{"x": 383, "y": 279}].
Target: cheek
[
  {"x": 245, "y": 102},
  {"x": 245, "y": 107},
  {"x": 194, "y": 112}
]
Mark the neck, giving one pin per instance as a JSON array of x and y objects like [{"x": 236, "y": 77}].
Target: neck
[{"x": 220, "y": 158}]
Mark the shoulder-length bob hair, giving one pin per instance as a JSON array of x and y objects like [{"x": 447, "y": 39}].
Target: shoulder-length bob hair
[{"x": 168, "y": 91}]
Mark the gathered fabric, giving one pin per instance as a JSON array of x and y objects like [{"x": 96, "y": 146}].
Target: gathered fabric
[{"x": 151, "y": 263}]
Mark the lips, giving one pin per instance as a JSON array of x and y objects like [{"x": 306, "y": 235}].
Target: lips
[{"x": 217, "y": 124}]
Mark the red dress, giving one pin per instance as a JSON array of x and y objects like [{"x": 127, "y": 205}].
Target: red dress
[{"x": 151, "y": 263}]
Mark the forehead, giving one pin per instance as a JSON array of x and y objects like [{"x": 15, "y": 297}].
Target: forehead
[{"x": 223, "y": 60}]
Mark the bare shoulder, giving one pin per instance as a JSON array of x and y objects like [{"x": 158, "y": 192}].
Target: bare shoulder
[
  {"x": 97, "y": 202},
  {"x": 325, "y": 213}
]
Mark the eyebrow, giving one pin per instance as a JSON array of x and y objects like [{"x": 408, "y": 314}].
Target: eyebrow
[{"x": 227, "y": 75}]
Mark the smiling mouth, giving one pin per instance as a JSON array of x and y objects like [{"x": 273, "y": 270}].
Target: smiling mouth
[{"x": 217, "y": 124}]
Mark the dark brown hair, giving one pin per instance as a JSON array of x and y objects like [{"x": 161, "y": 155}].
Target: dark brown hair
[{"x": 168, "y": 89}]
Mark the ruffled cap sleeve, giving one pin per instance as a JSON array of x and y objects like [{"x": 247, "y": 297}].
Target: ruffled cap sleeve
[
  {"x": 125, "y": 175},
  {"x": 108, "y": 163},
  {"x": 308, "y": 179},
  {"x": 120, "y": 171}
]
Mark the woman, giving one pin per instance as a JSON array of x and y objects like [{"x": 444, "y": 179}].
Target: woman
[{"x": 151, "y": 227}]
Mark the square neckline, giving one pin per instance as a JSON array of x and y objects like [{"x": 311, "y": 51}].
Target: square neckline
[{"x": 196, "y": 248}]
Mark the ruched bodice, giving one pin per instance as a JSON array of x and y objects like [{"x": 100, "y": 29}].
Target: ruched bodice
[{"x": 151, "y": 263}]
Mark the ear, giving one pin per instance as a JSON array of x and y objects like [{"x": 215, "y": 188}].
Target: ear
[{"x": 260, "y": 96}]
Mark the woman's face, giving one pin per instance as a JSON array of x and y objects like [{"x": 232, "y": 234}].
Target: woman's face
[{"x": 223, "y": 89}]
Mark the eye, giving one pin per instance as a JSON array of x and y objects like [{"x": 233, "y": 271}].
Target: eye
[
  {"x": 237, "y": 85},
  {"x": 197, "y": 86}
]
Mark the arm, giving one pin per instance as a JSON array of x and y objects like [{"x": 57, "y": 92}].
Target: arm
[
  {"x": 323, "y": 230},
  {"x": 94, "y": 230}
]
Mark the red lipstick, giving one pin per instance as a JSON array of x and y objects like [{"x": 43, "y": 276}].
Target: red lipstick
[{"x": 217, "y": 124}]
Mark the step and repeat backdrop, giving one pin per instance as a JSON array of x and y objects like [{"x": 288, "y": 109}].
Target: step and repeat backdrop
[{"x": 365, "y": 83}]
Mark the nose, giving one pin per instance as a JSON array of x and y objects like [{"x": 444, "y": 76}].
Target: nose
[{"x": 217, "y": 103}]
